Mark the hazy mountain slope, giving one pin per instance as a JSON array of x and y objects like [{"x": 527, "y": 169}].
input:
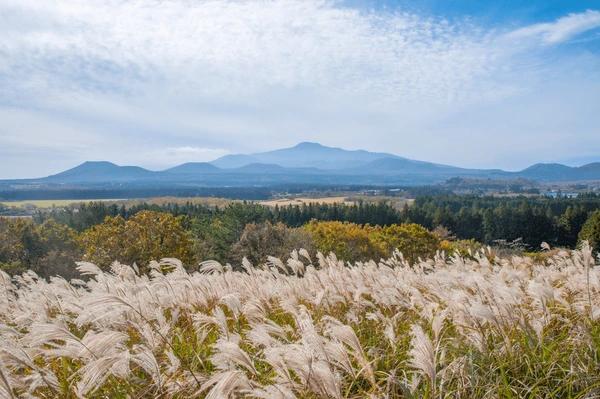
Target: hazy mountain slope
[
  {"x": 193, "y": 168},
  {"x": 100, "y": 171},
  {"x": 260, "y": 168},
  {"x": 403, "y": 165},
  {"x": 558, "y": 172},
  {"x": 306, "y": 155},
  {"x": 590, "y": 171},
  {"x": 310, "y": 163},
  {"x": 234, "y": 161}
]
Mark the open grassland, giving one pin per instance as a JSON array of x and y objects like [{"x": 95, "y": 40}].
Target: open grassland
[
  {"x": 350, "y": 199},
  {"x": 208, "y": 201},
  {"x": 477, "y": 327},
  {"x": 395, "y": 202},
  {"x": 50, "y": 203},
  {"x": 306, "y": 200}
]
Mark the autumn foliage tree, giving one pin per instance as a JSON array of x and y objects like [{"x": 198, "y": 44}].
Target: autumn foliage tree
[
  {"x": 146, "y": 236},
  {"x": 49, "y": 248},
  {"x": 260, "y": 240},
  {"x": 352, "y": 242},
  {"x": 349, "y": 241},
  {"x": 413, "y": 240}
]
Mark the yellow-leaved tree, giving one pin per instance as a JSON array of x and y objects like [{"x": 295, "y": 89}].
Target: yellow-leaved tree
[
  {"x": 146, "y": 236},
  {"x": 349, "y": 241},
  {"x": 354, "y": 242},
  {"x": 413, "y": 240}
]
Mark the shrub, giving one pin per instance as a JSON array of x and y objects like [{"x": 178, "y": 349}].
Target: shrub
[
  {"x": 260, "y": 240},
  {"x": 463, "y": 247},
  {"x": 353, "y": 242},
  {"x": 413, "y": 240},
  {"x": 13, "y": 268},
  {"x": 349, "y": 241},
  {"x": 590, "y": 231},
  {"x": 48, "y": 249},
  {"x": 146, "y": 236}
]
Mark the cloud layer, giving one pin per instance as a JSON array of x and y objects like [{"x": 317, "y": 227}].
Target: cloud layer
[{"x": 160, "y": 82}]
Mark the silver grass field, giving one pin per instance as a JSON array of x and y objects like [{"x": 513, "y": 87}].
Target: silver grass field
[{"x": 449, "y": 327}]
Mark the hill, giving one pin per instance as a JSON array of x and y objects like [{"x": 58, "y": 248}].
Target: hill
[
  {"x": 559, "y": 172},
  {"x": 100, "y": 171}
]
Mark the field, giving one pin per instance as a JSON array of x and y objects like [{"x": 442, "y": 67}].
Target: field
[
  {"x": 349, "y": 199},
  {"x": 306, "y": 200},
  {"x": 353, "y": 198},
  {"x": 207, "y": 201},
  {"x": 50, "y": 203},
  {"x": 477, "y": 327},
  {"x": 211, "y": 201}
]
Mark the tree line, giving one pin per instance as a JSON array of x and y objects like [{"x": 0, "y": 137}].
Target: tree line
[
  {"x": 557, "y": 221},
  {"x": 53, "y": 240}
]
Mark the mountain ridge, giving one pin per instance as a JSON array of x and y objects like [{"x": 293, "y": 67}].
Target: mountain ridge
[
  {"x": 305, "y": 154},
  {"x": 308, "y": 162}
]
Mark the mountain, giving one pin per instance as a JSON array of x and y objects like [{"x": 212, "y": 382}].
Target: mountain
[
  {"x": 398, "y": 165},
  {"x": 193, "y": 168},
  {"x": 305, "y": 163},
  {"x": 305, "y": 155},
  {"x": 100, "y": 171},
  {"x": 590, "y": 171},
  {"x": 259, "y": 168},
  {"x": 234, "y": 161},
  {"x": 559, "y": 172}
]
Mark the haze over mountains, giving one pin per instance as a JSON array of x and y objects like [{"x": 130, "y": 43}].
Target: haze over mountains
[{"x": 304, "y": 163}]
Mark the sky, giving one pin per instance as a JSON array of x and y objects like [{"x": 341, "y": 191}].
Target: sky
[{"x": 486, "y": 84}]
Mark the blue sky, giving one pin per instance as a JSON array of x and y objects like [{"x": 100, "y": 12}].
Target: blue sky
[{"x": 156, "y": 83}]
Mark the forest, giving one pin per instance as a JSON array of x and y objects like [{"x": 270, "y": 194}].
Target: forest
[{"x": 53, "y": 240}]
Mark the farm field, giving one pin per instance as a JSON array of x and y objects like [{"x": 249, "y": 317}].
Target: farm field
[
  {"x": 51, "y": 203},
  {"x": 306, "y": 200},
  {"x": 206, "y": 201},
  {"x": 348, "y": 199},
  {"x": 209, "y": 201},
  {"x": 308, "y": 328}
]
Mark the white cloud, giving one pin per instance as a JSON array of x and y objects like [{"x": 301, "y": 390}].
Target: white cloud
[
  {"x": 219, "y": 47},
  {"x": 201, "y": 78},
  {"x": 562, "y": 29}
]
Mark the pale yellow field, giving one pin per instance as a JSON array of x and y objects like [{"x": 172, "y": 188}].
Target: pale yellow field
[
  {"x": 301, "y": 201},
  {"x": 209, "y": 201},
  {"x": 50, "y": 203}
]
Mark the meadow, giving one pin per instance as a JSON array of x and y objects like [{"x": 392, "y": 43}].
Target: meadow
[
  {"x": 46, "y": 203},
  {"x": 306, "y": 201},
  {"x": 49, "y": 203},
  {"x": 57, "y": 203},
  {"x": 206, "y": 201},
  {"x": 478, "y": 326}
]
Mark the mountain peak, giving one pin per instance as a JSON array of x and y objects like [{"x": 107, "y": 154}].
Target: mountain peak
[
  {"x": 306, "y": 154},
  {"x": 100, "y": 171},
  {"x": 308, "y": 145},
  {"x": 97, "y": 163}
]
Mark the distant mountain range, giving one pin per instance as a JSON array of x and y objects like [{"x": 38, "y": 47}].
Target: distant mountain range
[
  {"x": 305, "y": 155},
  {"x": 305, "y": 163}
]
